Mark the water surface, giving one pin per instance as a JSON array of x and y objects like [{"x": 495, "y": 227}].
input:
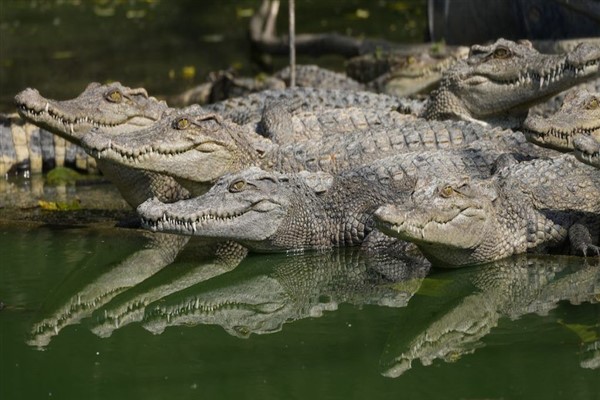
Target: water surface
[{"x": 333, "y": 325}]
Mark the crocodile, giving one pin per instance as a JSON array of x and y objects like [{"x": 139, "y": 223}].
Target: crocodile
[
  {"x": 223, "y": 85},
  {"x": 587, "y": 149},
  {"x": 28, "y": 149},
  {"x": 578, "y": 115},
  {"x": 551, "y": 106},
  {"x": 499, "y": 82},
  {"x": 259, "y": 298},
  {"x": 495, "y": 84},
  {"x": 246, "y": 109},
  {"x": 271, "y": 211},
  {"x": 115, "y": 109},
  {"x": 111, "y": 106},
  {"x": 196, "y": 147},
  {"x": 529, "y": 206},
  {"x": 404, "y": 73},
  {"x": 282, "y": 123},
  {"x": 448, "y": 326}
]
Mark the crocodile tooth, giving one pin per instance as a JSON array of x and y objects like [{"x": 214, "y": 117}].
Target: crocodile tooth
[{"x": 47, "y": 106}]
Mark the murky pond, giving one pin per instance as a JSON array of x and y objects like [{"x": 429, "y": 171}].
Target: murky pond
[
  {"x": 93, "y": 308},
  {"x": 102, "y": 312}
]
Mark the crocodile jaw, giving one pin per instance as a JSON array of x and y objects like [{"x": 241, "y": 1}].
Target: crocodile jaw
[
  {"x": 420, "y": 226},
  {"x": 587, "y": 149},
  {"x": 71, "y": 119},
  {"x": 192, "y": 166},
  {"x": 578, "y": 115},
  {"x": 449, "y": 238},
  {"x": 254, "y": 222}
]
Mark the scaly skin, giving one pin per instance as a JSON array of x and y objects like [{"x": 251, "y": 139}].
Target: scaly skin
[
  {"x": 505, "y": 289},
  {"x": 224, "y": 85},
  {"x": 282, "y": 124},
  {"x": 579, "y": 115},
  {"x": 243, "y": 110},
  {"x": 270, "y": 211},
  {"x": 507, "y": 78},
  {"x": 28, "y": 149},
  {"x": 260, "y": 299},
  {"x": 531, "y": 206},
  {"x": 196, "y": 147},
  {"x": 401, "y": 73},
  {"x": 587, "y": 149},
  {"x": 115, "y": 109}
]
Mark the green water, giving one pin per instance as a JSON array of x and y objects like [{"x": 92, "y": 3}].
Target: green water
[
  {"x": 166, "y": 46},
  {"x": 323, "y": 326},
  {"x": 333, "y": 330}
]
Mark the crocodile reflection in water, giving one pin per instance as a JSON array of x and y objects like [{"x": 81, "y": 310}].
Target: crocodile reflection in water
[
  {"x": 260, "y": 298},
  {"x": 510, "y": 288},
  {"x": 129, "y": 306},
  {"x": 90, "y": 288}
]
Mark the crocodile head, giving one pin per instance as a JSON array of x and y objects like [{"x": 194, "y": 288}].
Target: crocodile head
[
  {"x": 579, "y": 114},
  {"x": 447, "y": 220},
  {"x": 507, "y": 78},
  {"x": 257, "y": 305},
  {"x": 191, "y": 145},
  {"x": 250, "y": 207},
  {"x": 587, "y": 149},
  {"x": 114, "y": 108}
]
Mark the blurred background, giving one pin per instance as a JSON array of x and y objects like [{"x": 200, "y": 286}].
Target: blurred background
[{"x": 167, "y": 46}]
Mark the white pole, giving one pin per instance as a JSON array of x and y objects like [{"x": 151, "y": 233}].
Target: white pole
[{"x": 292, "y": 43}]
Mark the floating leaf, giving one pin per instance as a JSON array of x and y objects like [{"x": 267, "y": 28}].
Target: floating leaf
[
  {"x": 400, "y": 6},
  {"x": 362, "y": 13},
  {"x": 135, "y": 14},
  {"x": 60, "y": 205},
  {"x": 244, "y": 12},
  {"x": 188, "y": 72}
]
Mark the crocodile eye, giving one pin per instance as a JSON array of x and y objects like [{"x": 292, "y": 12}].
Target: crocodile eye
[
  {"x": 411, "y": 60},
  {"x": 593, "y": 104},
  {"x": 181, "y": 124},
  {"x": 114, "y": 96},
  {"x": 446, "y": 191},
  {"x": 501, "y": 52},
  {"x": 237, "y": 186}
]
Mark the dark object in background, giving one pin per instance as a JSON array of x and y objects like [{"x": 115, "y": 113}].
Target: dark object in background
[{"x": 466, "y": 22}]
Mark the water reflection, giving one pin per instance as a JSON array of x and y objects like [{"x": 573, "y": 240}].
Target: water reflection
[
  {"x": 479, "y": 297},
  {"x": 218, "y": 284},
  {"x": 209, "y": 262},
  {"x": 91, "y": 287},
  {"x": 260, "y": 297}
]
